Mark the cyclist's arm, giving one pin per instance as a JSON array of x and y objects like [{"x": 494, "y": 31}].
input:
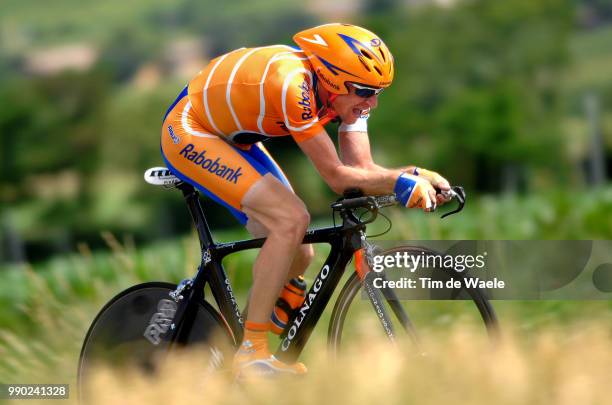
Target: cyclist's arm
[
  {"x": 339, "y": 176},
  {"x": 355, "y": 151},
  {"x": 300, "y": 118}
]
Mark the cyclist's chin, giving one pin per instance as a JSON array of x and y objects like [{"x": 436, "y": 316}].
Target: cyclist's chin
[{"x": 350, "y": 116}]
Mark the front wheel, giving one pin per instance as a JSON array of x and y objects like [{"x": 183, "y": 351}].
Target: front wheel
[
  {"x": 135, "y": 329},
  {"x": 348, "y": 313}
]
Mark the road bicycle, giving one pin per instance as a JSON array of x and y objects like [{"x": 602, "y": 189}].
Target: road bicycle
[{"x": 145, "y": 322}]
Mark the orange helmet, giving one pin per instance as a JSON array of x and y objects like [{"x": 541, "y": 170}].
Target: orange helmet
[{"x": 341, "y": 53}]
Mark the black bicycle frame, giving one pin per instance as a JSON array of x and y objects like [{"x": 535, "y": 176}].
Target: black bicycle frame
[{"x": 344, "y": 239}]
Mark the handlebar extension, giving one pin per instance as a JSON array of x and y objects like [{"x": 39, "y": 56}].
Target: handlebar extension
[{"x": 354, "y": 198}]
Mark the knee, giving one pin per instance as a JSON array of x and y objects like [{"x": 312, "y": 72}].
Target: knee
[
  {"x": 302, "y": 219},
  {"x": 306, "y": 254},
  {"x": 293, "y": 223}
]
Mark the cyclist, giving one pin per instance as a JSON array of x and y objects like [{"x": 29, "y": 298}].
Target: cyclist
[{"x": 211, "y": 138}]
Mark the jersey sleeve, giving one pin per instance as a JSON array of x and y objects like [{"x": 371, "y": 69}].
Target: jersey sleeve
[{"x": 299, "y": 106}]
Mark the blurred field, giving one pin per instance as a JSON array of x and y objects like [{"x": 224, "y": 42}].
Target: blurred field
[
  {"x": 563, "y": 367},
  {"x": 48, "y": 307},
  {"x": 569, "y": 365}
]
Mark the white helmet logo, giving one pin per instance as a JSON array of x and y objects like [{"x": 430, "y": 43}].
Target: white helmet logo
[{"x": 317, "y": 40}]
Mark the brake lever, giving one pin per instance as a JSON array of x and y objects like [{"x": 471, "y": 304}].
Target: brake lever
[{"x": 458, "y": 193}]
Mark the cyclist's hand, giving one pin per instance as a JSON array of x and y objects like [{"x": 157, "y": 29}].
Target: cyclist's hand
[
  {"x": 415, "y": 192},
  {"x": 438, "y": 182}
]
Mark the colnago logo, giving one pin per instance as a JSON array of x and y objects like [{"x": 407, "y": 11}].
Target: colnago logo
[
  {"x": 312, "y": 295},
  {"x": 233, "y": 299},
  {"x": 206, "y": 256},
  {"x": 305, "y": 101},
  {"x": 221, "y": 170}
]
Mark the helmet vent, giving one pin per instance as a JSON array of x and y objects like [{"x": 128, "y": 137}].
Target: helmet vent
[
  {"x": 366, "y": 54},
  {"x": 365, "y": 65},
  {"x": 382, "y": 54},
  {"x": 378, "y": 70}
]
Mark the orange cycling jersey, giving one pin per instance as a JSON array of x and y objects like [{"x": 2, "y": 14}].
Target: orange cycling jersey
[
  {"x": 211, "y": 133},
  {"x": 267, "y": 90}
]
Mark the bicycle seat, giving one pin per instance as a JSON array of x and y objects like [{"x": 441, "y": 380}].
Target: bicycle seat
[{"x": 161, "y": 176}]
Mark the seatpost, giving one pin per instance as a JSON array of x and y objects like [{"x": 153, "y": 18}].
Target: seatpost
[{"x": 197, "y": 214}]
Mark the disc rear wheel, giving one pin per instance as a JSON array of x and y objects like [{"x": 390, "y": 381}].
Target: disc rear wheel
[{"x": 136, "y": 328}]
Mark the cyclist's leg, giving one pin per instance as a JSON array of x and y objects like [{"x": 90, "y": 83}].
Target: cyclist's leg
[
  {"x": 293, "y": 293},
  {"x": 305, "y": 253},
  {"x": 286, "y": 228},
  {"x": 285, "y": 218},
  {"x": 303, "y": 256}
]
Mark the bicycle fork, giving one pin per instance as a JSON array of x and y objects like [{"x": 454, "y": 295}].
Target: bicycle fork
[{"x": 363, "y": 268}]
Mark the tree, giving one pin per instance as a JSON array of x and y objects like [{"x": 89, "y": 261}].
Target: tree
[{"x": 476, "y": 87}]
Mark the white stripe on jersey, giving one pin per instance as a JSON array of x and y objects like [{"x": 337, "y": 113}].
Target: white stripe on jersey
[
  {"x": 186, "y": 126},
  {"x": 228, "y": 96},
  {"x": 262, "y": 100},
  {"x": 205, "y": 96}
]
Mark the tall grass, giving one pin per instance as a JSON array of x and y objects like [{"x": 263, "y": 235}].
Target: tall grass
[
  {"x": 563, "y": 367},
  {"x": 46, "y": 310}
]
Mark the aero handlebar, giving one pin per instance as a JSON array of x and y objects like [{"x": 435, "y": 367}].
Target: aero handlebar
[{"x": 373, "y": 203}]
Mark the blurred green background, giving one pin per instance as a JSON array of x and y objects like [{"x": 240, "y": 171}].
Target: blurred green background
[{"x": 511, "y": 99}]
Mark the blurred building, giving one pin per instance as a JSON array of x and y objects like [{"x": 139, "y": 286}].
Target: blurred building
[
  {"x": 181, "y": 59},
  {"x": 185, "y": 57},
  {"x": 50, "y": 61},
  {"x": 339, "y": 10}
]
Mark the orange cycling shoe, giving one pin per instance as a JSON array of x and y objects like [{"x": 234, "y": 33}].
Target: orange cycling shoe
[
  {"x": 290, "y": 298},
  {"x": 254, "y": 360}
]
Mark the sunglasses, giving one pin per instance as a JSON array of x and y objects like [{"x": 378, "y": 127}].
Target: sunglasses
[{"x": 365, "y": 91}]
